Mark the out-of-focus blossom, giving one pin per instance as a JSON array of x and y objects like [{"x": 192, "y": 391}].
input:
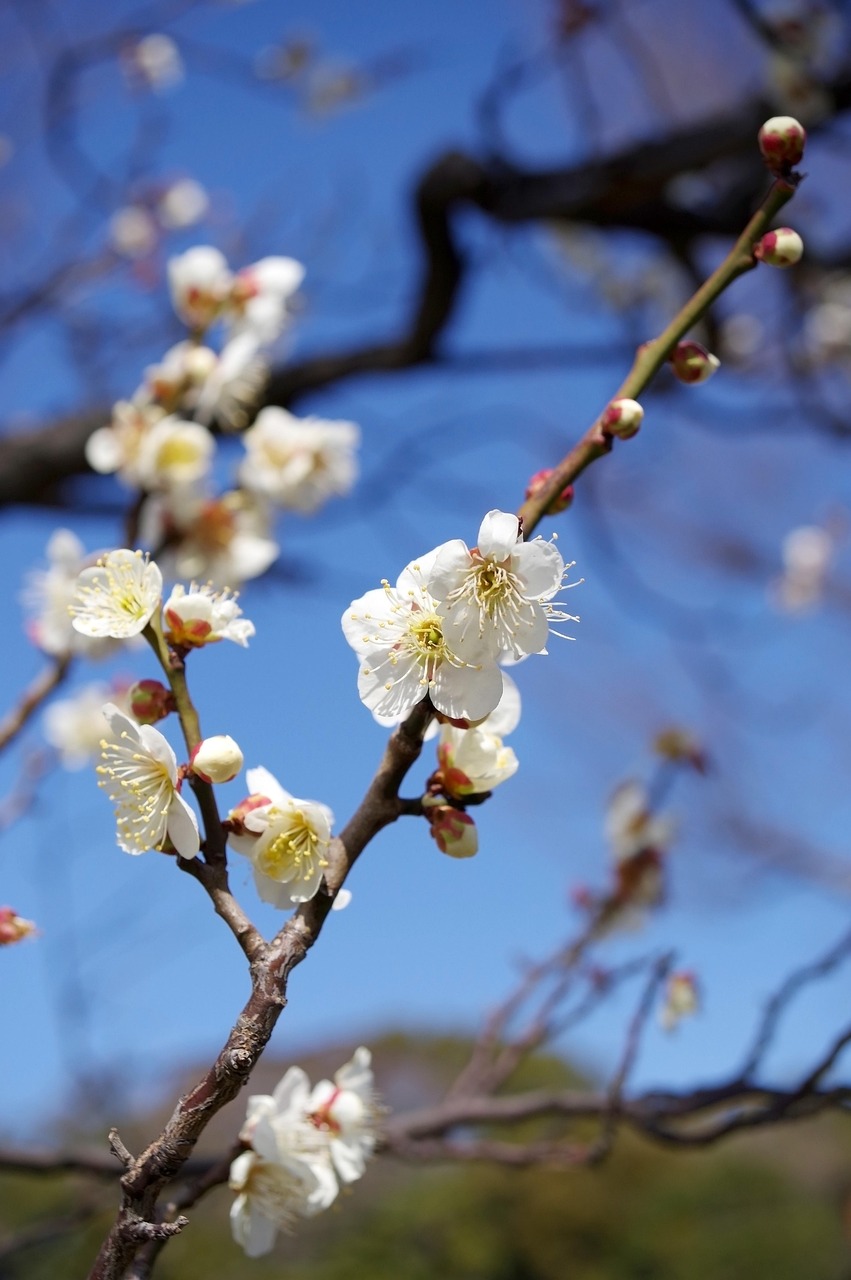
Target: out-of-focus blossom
[
  {"x": 260, "y": 295},
  {"x": 116, "y": 448},
  {"x": 807, "y": 553},
  {"x": 200, "y": 281},
  {"x": 224, "y": 541},
  {"x": 286, "y": 839},
  {"x": 155, "y": 61},
  {"x": 118, "y": 596},
  {"x": 632, "y": 826},
  {"x": 299, "y": 463},
  {"x": 682, "y": 1000},
  {"x": 76, "y": 726},
  {"x": 48, "y": 596},
  {"x": 174, "y": 454},
  {"x": 133, "y": 232},
  {"x": 183, "y": 204},
  {"x": 138, "y": 771}
]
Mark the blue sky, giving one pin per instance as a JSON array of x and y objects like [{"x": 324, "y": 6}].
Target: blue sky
[{"x": 132, "y": 974}]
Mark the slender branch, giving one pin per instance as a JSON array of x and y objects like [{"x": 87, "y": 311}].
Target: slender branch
[{"x": 33, "y": 697}]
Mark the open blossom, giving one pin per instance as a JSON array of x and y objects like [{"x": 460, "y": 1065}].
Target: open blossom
[
  {"x": 224, "y": 540},
  {"x": 174, "y": 453},
  {"x": 138, "y": 771},
  {"x": 498, "y": 594},
  {"x": 202, "y": 616},
  {"x": 182, "y": 204},
  {"x": 299, "y": 463},
  {"x": 48, "y": 596},
  {"x": 285, "y": 838},
  {"x": 118, "y": 596},
  {"x": 808, "y": 552},
  {"x": 302, "y": 1141},
  {"x": 116, "y": 447},
  {"x": 399, "y": 635}
]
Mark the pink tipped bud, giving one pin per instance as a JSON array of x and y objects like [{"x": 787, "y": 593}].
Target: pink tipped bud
[
  {"x": 150, "y": 701},
  {"x": 216, "y": 759},
  {"x": 693, "y": 363},
  {"x": 782, "y": 140},
  {"x": 13, "y": 928},
  {"x": 453, "y": 831},
  {"x": 235, "y": 821},
  {"x": 780, "y": 248},
  {"x": 622, "y": 419},
  {"x": 560, "y": 502}
]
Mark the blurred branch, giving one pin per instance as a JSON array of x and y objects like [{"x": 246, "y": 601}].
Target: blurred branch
[{"x": 32, "y": 698}]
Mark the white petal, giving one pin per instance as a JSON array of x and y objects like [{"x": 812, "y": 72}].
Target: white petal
[
  {"x": 498, "y": 535},
  {"x": 467, "y": 693},
  {"x": 262, "y": 783},
  {"x": 183, "y": 828},
  {"x": 540, "y": 567},
  {"x": 450, "y": 565}
]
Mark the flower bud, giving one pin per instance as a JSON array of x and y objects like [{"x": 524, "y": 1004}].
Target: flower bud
[
  {"x": 150, "y": 701},
  {"x": 693, "y": 363},
  {"x": 216, "y": 759},
  {"x": 13, "y": 928},
  {"x": 454, "y": 832},
  {"x": 780, "y": 248},
  {"x": 781, "y": 141},
  {"x": 622, "y": 419},
  {"x": 681, "y": 747},
  {"x": 199, "y": 362},
  {"x": 560, "y": 502}
]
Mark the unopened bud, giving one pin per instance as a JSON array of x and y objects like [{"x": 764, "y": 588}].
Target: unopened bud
[
  {"x": 682, "y": 999},
  {"x": 782, "y": 140},
  {"x": 693, "y": 363},
  {"x": 681, "y": 747},
  {"x": 236, "y": 818},
  {"x": 560, "y": 502},
  {"x": 13, "y": 928},
  {"x": 216, "y": 759},
  {"x": 453, "y": 831},
  {"x": 780, "y": 248},
  {"x": 150, "y": 701},
  {"x": 622, "y": 418}
]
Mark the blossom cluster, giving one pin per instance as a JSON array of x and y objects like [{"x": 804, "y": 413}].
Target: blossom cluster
[
  {"x": 453, "y": 616},
  {"x": 159, "y": 442},
  {"x": 302, "y": 1144}
]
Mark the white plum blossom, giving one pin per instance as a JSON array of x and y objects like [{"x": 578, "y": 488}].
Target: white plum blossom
[
  {"x": 133, "y": 232},
  {"x": 260, "y": 294},
  {"x": 202, "y": 616},
  {"x": 302, "y": 1142},
  {"x": 115, "y": 448},
  {"x": 200, "y": 281},
  {"x": 173, "y": 453},
  {"x": 76, "y": 726},
  {"x": 48, "y": 596},
  {"x": 632, "y": 827},
  {"x": 156, "y": 60},
  {"x": 286, "y": 840},
  {"x": 224, "y": 540},
  {"x": 498, "y": 594},
  {"x": 118, "y": 596},
  {"x": 182, "y": 204},
  {"x": 234, "y": 384},
  {"x": 299, "y": 463},
  {"x": 807, "y": 552},
  {"x": 399, "y": 636},
  {"x": 138, "y": 771},
  {"x": 682, "y": 1000},
  {"x": 503, "y": 720},
  {"x": 273, "y": 1190}
]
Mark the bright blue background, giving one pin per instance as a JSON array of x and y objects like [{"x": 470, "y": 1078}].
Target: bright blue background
[{"x": 132, "y": 975}]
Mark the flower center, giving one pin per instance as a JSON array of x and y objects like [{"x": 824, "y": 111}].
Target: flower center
[{"x": 290, "y": 853}]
